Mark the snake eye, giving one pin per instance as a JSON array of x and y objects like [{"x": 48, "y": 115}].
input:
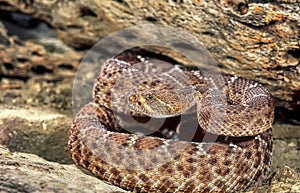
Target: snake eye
[{"x": 149, "y": 96}]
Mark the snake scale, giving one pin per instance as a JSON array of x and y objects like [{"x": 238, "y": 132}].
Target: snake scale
[{"x": 238, "y": 111}]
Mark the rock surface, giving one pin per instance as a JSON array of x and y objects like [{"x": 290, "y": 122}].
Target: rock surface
[
  {"x": 259, "y": 39},
  {"x": 37, "y": 131},
  {"x": 24, "y": 172},
  {"x": 286, "y": 180}
]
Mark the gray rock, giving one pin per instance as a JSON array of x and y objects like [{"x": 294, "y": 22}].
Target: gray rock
[{"x": 24, "y": 172}]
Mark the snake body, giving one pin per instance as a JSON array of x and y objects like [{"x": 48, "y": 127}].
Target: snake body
[{"x": 167, "y": 161}]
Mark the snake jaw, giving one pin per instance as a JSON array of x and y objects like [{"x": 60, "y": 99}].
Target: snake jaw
[
  {"x": 138, "y": 104},
  {"x": 155, "y": 104}
]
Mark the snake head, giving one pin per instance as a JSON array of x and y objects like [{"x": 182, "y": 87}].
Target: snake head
[{"x": 157, "y": 103}]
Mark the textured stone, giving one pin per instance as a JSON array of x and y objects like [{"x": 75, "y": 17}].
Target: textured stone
[
  {"x": 258, "y": 40},
  {"x": 23, "y": 172}
]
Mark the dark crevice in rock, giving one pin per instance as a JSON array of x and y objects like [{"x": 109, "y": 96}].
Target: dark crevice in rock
[
  {"x": 86, "y": 11},
  {"x": 40, "y": 69},
  {"x": 295, "y": 53},
  {"x": 24, "y": 26}
]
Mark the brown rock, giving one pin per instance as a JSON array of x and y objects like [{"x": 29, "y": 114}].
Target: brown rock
[
  {"x": 258, "y": 40},
  {"x": 24, "y": 172},
  {"x": 35, "y": 130},
  {"x": 286, "y": 180}
]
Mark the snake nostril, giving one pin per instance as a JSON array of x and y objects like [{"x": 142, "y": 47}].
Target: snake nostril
[{"x": 153, "y": 83}]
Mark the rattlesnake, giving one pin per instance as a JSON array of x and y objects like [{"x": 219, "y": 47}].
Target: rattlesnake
[{"x": 239, "y": 110}]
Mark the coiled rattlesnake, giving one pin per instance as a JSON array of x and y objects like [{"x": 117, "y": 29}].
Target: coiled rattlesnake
[{"x": 239, "y": 110}]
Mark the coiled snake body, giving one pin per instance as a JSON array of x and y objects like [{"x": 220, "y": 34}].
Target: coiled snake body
[{"x": 239, "y": 110}]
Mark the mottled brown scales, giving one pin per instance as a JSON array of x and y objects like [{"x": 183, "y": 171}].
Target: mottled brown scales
[
  {"x": 190, "y": 186},
  {"x": 248, "y": 154},
  {"x": 213, "y": 161},
  {"x": 148, "y": 143},
  {"x": 186, "y": 173},
  {"x": 152, "y": 164}
]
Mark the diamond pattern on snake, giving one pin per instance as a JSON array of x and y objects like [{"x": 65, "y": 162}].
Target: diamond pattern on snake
[{"x": 158, "y": 127}]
